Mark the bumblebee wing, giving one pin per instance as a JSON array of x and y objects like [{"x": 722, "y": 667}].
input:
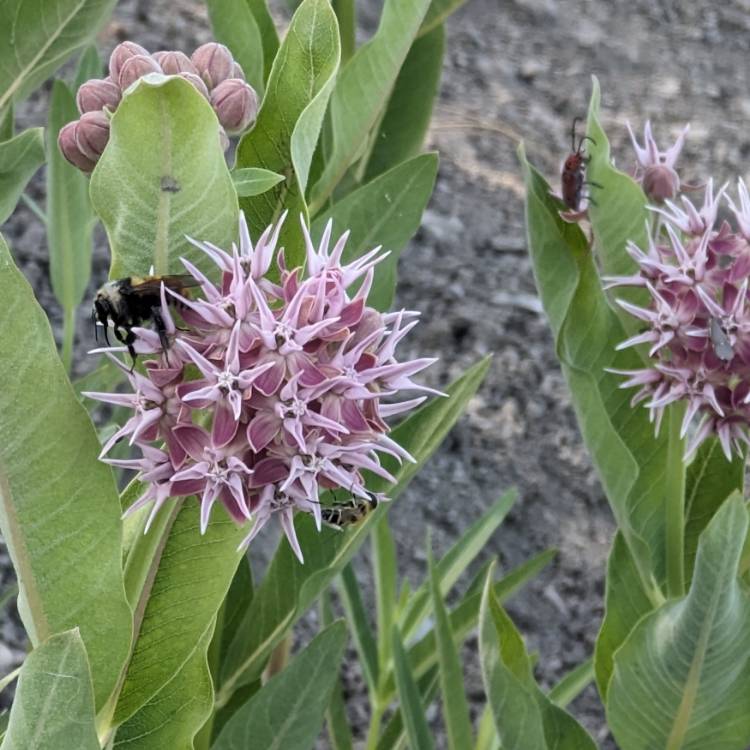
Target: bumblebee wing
[{"x": 152, "y": 284}]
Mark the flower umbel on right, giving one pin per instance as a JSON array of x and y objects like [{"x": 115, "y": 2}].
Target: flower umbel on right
[{"x": 695, "y": 271}]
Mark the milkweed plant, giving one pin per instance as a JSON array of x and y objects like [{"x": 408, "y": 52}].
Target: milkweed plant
[{"x": 246, "y": 371}]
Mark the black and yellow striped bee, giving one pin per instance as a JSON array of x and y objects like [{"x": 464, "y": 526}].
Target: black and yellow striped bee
[
  {"x": 347, "y": 513},
  {"x": 135, "y": 300}
]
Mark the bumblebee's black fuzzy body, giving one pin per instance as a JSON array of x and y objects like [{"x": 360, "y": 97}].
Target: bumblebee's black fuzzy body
[
  {"x": 350, "y": 512},
  {"x": 135, "y": 300}
]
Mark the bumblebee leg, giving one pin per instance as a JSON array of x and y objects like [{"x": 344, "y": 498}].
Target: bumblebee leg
[{"x": 161, "y": 329}]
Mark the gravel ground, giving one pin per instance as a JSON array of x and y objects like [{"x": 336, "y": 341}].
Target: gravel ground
[{"x": 512, "y": 69}]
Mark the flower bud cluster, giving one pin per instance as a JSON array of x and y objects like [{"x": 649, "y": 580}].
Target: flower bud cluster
[
  {"x": 294, "y": 385},
  {"x": 696, "y": 323},
  {"x": 211, "y": 69}
]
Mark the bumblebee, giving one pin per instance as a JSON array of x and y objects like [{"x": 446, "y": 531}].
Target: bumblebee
[
  {"x": 135, "y": 300},
  {"x": 349, "y": 512}
]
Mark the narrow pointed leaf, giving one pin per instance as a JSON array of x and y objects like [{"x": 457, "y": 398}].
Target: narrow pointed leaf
[
  {"x": 89, "y": 66},
  {"x": 20, "y": 157},
  {"x": 253, "y": 181},
  {"x": 290, "y": 588},
  {"x": 268, "y": 34},
  {"x": 572, "y": 684},
  {"x": 362, "y": 89},
  {"x": 287, "y": 713},
  {"x": 387, "y": 212},
  {"x": 37, "y": 37},
  {"x": 284, "y": 138},
  {"x": 346, "y": 14},
  {"x": 161, "y": 177},
  {"x": 54, "y": 490},
  {"x": 438, "y": 11},
  {"x": 412, "y": 710},
  {"x": 385, "y": 573},
  {"x": 54, "y": 703},
  {"x": 455, "y": 707},
  {"x": 684, "y": 670}
]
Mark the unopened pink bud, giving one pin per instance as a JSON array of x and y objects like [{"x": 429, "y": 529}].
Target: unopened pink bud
[
  {"x": 92, "y": 134},
  {"x": 235, "y": 103},
  {"x": 660, "y": 183},
  {"x": 66, "y": 140},
  {"x": 174, "y": 62},
  {"x": 97, "y": 94},
  {"x": 137, "y": 67},
  {"x": 197, "y": 81},
  {"x": 120, "y": 54},
  {"x": 214, "y": 63}
]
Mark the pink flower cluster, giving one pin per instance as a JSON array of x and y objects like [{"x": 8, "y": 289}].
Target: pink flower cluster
[
  {"x": 290, "y": 395},
  {"x": 211, "y": 70},
  {"x": 697, "y": 322}
]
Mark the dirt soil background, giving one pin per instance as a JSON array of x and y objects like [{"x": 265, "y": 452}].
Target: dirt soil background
[{"x": 513, "y": 70}]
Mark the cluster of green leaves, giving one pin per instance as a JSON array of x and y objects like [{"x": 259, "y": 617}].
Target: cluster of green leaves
[
  {"x": 163, "y": 640},
  {"x": 671, "y": 650}
]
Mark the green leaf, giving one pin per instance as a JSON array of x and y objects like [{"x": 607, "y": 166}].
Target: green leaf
[
  {"x": 20, "y": 157},
  {"x": 635, "y": 467},
  {"x": 54, "y": 490},
  {"x": 572, "y": 684},
  {"x": 362, "y": 89},
  {"x": 289, "y": 588},
  {"x": 486, "y": 734},
  {"x": 411, "y": 705},
  {"x": 394, "y": 734},
  {"x": 455, "y": 707},
  {"x": 286, "y": 133},
  {"x": 250, "y": 182},
  {"x": 463, "y": 618},
  {"x": 89, "y": 66},
  {"x": 287, "y": 713},
  {"x": 236, "y": 604},
  {"x": 360, "y": 626},
  {"x": 189, "y": 577},
  {"x": 684, "y": 670},
  {"x": 385, "y": 574},
  {"x": 407, "y": 116},
  {"x": 70, "y": 220},
  {"x": 161, "y": 177},
  {"x": 268, "y": 34},
  {"x": 625, "y": 603},
  {"x": 337, "y": 722},
  {"x": 172, "y": 717},
  {"x": 54, "y": 704},
  {"x": 525, "y": 718},
  {"x": 234, "y": 25},
  {"x": 710, "y": 479},
  {"x": 456, "y": 560},
  {"x": 438, "y": 11},
  {"x": 346, "y": 14},
  {"x": 387, "y": 212},
  {"x": 7, "y": 124},
  {"x": 37, "y": 37}
]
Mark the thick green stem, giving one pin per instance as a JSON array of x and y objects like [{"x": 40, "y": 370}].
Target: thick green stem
[
  {"x": 69, "y": 330},
  {"x": 675, "y": 506},
  {"x": 373, "y": 733}
]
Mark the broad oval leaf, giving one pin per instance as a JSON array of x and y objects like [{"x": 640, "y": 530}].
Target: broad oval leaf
[
  {"x": 636, "y": 468},
  {"x": 38, "y": 36},
  {"x": 407, "y": 117},
  {"x": 189, "y": 578},
  {"x": 684, "y": 670},
  {"x": 54, "y": 703},
  {"x": 161, "y": 177},
  {"x": 362, "y": 89},
  {"x": 387, "y": 212},
  {"x": 20, "y": 157},
  {"x": 174, "y": 715},
  {"x": 287, "y": 712},
  {"x": 59, "y": 510},
  {"x": 286, "y": 133},
  {"x": 289, "y": 588}
]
